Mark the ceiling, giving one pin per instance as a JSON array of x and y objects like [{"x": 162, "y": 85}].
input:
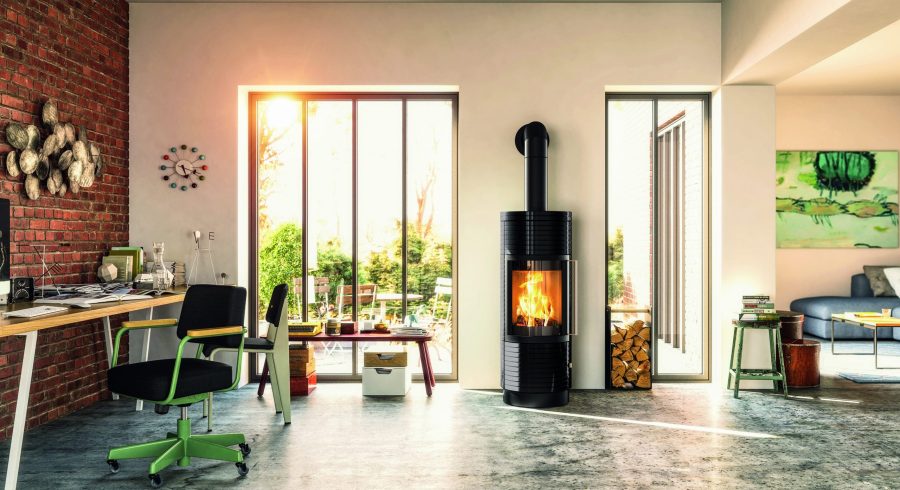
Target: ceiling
[
  {"x": 424, "y": 1},
  {"x": 869, "y": 67}
]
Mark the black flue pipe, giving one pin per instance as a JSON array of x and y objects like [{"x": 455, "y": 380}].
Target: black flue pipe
[{"x": 532, "y": 141}]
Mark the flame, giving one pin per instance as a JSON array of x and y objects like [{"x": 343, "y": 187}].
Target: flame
[{"x": 534, "y": 306}]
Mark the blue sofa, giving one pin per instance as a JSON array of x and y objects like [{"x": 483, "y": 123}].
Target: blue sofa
[{"x": 817, "y": 311}]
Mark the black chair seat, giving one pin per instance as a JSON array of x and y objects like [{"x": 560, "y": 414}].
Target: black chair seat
[
  {"x": 258, "y": 344},
  {"x": 151, "y": 380}
]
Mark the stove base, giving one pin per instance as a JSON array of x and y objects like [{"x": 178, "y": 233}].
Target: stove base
[{"x": 536, "y": 400}]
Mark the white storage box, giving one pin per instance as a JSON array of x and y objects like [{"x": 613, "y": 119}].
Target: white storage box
[{"x": 386, "y": 381}]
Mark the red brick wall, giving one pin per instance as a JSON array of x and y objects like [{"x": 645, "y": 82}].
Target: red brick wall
[{"x": 75, "y": 52}]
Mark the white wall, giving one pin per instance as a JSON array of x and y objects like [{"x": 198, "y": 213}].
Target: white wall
[
  {"x": 513, "y": 63},
  {"x": 837, "y": 123},
  {"x": 743, "y": 216}
]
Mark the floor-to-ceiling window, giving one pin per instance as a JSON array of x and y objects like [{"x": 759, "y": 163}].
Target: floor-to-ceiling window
[
  {"x": 352, "y": 205},
  {"x": 657, "y": 224}
]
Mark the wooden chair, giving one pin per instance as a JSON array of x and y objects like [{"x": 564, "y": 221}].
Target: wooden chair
[{"x": 367, "y": 293}]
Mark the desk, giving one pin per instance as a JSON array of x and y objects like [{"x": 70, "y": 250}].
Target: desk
[
  {"x": 383, "y": 298},
  {"x": 870, "y": 323},
  {"x": 421, "y": 340},
  {"x": 29, "y": 327}
]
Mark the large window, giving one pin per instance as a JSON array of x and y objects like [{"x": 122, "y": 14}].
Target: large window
[
  {"x": 657, "y": 218},
  {"x": 353, "y": 207}
]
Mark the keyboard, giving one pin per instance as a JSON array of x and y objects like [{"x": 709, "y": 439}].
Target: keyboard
[{"x": 35, "y": 311}]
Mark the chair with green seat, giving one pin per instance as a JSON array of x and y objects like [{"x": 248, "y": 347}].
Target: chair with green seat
[{"x": 210, "y": 316}]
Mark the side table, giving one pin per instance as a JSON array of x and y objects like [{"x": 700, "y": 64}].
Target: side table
[{"x": 775, "y": 373}]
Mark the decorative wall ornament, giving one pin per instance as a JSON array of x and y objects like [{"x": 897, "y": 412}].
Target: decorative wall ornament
[
  {"x": 836, "y": 199},
  {"x": 64, "y": 160},
  {"x": 183, "y": 167}
]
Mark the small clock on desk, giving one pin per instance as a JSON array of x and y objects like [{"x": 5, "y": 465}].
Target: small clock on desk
[{"x": 184, "y": 167}]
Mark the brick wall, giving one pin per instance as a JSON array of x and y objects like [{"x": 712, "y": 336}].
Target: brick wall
[{"x": 76, "y": 52}]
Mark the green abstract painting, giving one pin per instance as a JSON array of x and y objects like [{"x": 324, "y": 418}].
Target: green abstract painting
[{"x": 836, "y": 199}]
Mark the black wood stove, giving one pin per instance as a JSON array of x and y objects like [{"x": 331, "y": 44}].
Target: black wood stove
[{"x": 538, "y": 288}]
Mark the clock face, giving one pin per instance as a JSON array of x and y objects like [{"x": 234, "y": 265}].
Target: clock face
[{"x": 183, "y": 167}]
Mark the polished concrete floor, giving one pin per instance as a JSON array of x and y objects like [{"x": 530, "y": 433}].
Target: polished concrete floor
[{"x": 842, "y": 435}]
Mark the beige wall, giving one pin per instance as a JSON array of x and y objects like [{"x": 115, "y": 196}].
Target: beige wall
[
  {"x": 742, "y": 215},
  {"x": 513, "y": 63},
  {"x": 837, "y": 123}
]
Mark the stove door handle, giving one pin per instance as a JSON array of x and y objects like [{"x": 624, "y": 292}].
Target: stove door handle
[{"x": 573, "y": 307}]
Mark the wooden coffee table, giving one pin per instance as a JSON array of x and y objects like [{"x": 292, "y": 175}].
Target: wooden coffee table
[{"x": 872, "y": 323}]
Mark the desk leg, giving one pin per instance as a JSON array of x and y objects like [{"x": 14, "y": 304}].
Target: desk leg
[
  {"x": 430, "y": 367},
  {"x": 426, "y": 373},
  {"x": 18, "y": 434},
  {"x": 107, "y": 332},
  {"x": 145, "y": 353}
]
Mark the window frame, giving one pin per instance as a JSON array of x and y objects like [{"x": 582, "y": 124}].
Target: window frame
[
  {"x": 304, "y": 97},
  {"x": 655, "y": 98}
]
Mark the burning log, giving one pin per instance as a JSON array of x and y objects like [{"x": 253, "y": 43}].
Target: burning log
[{"x": 630, "y": 353}]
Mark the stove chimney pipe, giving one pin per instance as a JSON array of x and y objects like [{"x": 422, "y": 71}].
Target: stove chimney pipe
[{"x": 532, "y": 141}]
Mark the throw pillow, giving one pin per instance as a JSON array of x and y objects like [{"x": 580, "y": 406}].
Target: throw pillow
[
  {"x": 893, "y": 277},
  {"x": 878, "y": 281}
]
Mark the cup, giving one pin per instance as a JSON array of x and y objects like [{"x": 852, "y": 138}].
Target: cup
[
  {"x": 332, "y": 327},
  {"x": 885, "y": 312}
]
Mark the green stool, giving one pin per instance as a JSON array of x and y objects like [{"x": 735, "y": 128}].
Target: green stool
[{"x": 775, "y": 374}]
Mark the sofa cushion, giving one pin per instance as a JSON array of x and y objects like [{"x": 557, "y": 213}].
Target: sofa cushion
[
  {"x": 878, "y": 281},
  {"x": 823, "y": 307}
]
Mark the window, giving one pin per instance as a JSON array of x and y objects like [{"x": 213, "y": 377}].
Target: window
[
  {"x": 353, "y": 206},
  {"x": 657, "y": 217}
]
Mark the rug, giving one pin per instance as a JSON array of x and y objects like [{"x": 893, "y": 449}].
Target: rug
[{"x": 871, "y": 378}]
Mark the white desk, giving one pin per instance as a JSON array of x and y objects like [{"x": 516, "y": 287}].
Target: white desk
[{"x": 30, "y": 327}]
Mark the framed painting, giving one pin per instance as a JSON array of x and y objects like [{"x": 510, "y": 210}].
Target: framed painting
[{"x": 836, "y": 199}]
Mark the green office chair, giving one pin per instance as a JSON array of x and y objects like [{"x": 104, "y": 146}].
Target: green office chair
[{"x": 211, "y": 316}]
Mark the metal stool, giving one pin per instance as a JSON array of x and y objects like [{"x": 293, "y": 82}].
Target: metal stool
[{"x": 775, "y": 373}]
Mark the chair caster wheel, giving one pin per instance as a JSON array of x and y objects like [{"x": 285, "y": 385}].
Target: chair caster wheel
[
  {"x": 243, "y": 469},
  {"x": 156, "y": 481},
  {"x": 245, "y": 449},
  {"x": 113, "y": 465}
]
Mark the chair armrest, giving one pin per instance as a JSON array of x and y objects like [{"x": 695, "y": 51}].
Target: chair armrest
[
  {"x": 162, "y": 322},
  {"x": 215, "y": 332}
]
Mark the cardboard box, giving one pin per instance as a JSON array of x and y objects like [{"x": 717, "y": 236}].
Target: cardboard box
[
  {"x": 385, "y": 359},
  {"x": 386, "y": 381},
  {"x": 303, "y": 385},
  {"x": 300, "y": 355},
  {"x": 348, "y": 328}
]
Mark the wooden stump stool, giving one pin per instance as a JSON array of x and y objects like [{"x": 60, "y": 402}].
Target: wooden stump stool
[{"x": 801, "y": 363}]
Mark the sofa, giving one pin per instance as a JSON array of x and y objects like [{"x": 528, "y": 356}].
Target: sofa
[{"x": 817, "y": 312}]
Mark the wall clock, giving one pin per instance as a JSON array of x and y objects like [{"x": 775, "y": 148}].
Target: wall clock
[{"x": 183, "y": 168}]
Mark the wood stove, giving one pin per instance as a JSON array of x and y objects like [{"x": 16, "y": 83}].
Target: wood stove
[{"x": 538, "y": 288}]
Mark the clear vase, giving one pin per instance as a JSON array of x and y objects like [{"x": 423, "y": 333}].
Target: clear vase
[{"x": 160, "y": 274}]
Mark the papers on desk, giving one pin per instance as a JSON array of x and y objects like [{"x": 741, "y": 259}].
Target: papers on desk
[
  {"x": 409, "y": 330},
  {"x": 86, "y": 300},
  {"x": 35, "y": 311}
]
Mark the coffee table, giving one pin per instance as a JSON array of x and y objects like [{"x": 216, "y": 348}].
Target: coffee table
[{"x": 872, "y": 323}]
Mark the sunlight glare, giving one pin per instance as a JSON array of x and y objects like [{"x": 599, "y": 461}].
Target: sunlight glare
[
  {"x": 664, "y": 425},
  {"x": 281, "y": 113}
]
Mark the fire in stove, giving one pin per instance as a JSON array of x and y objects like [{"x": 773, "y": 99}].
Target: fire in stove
[{"x": 540, "y": 294}]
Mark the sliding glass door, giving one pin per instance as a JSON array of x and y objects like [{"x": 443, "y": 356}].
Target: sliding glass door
[
  {"x": 657, "y": 223},
  {"x": 352, "y": 199}
]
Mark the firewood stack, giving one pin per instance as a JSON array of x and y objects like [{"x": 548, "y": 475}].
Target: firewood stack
[{"x": 630, "y": 346}]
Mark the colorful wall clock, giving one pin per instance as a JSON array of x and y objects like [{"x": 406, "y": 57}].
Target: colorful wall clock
[{"x": 183, "y": 168}]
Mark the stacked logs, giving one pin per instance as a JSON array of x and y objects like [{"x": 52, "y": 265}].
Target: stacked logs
[{"x": 630, "y": 346}]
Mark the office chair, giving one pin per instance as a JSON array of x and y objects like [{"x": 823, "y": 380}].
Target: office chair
[
  {"x": 211, "y": 316},
  {"x": 275, "y": 347}
]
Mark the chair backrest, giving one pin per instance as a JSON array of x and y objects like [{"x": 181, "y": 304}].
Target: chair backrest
[
  {"x": 442, "y": 285},
  {"x": 366, "y": 296},
  {"x": 322, "y": 286},
  {"x": 212, "y": 306},
  {"x": 276, "y": 313}
]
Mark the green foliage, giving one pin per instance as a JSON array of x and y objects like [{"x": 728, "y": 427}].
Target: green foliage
[
  {"x": 334, "y": 264},
  {"x": 280, "y": 260},
  {"x": 615, "y": 279}
]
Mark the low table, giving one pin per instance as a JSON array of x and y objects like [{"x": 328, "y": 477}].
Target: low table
[
  {"x": 421, "y": 340},
  {"x": 867, "y": 322}
]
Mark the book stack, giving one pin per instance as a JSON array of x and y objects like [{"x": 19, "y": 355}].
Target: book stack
[
  {"x": 303, "y": 370},
  {"x": 758, "y": 308}
]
